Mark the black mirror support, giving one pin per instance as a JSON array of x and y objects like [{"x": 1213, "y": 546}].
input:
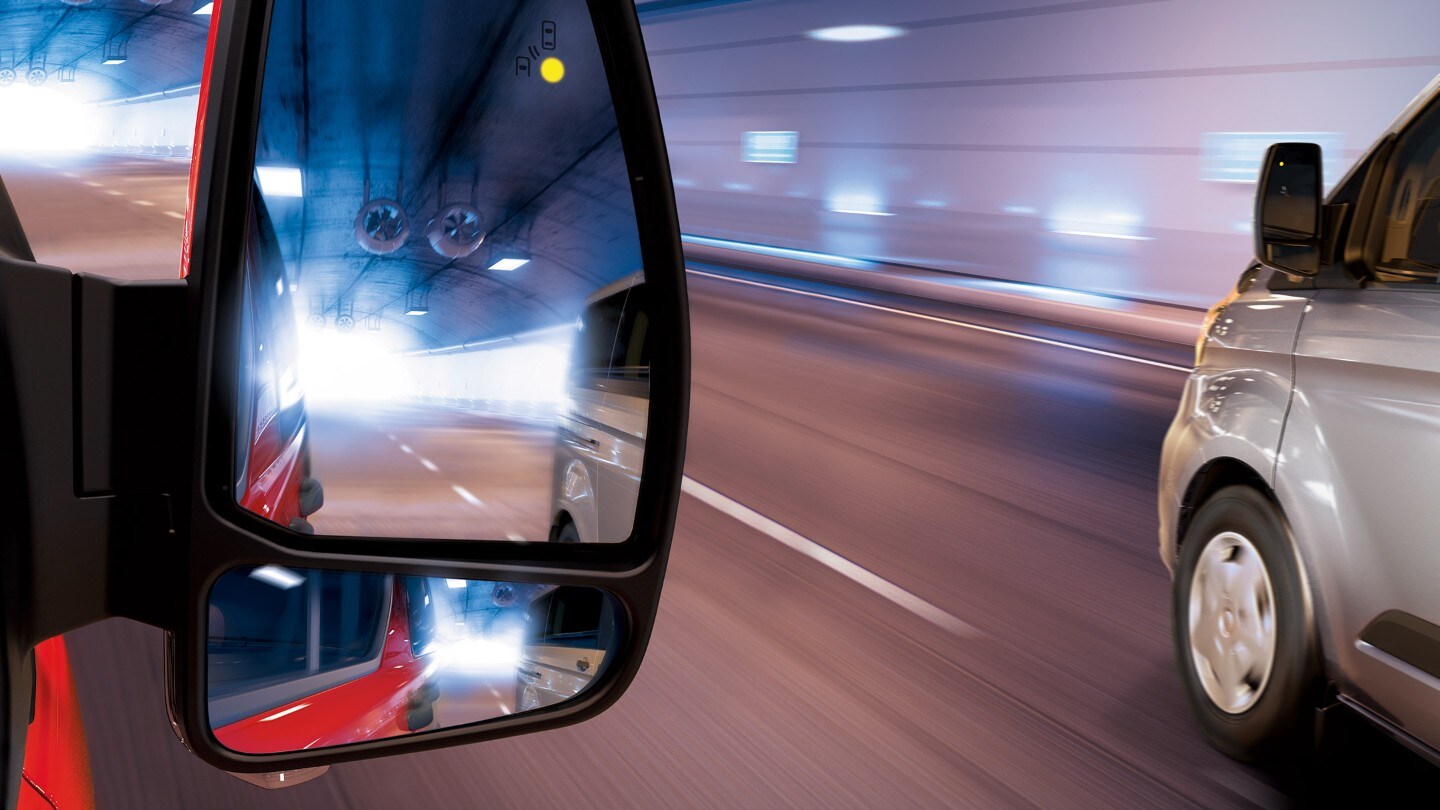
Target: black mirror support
[{"x": 1289, "y": 213}]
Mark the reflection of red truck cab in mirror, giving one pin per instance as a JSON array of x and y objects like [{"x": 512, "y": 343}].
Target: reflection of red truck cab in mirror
[
  {"x": 319, "y": 659},
  {"x": 272, "y": 460}
]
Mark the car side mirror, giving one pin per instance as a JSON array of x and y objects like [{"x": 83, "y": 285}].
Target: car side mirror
[
  {"x": 1288, "y": 209},
  {"x": 397, "y": 464}
]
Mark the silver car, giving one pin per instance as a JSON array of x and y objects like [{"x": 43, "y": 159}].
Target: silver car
[
  {"x": 600, "y": 437},
  {"x": 1300, "y": 480}
]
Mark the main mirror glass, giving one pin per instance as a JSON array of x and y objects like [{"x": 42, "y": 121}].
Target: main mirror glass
[
  {"x": 443, "y": 328},
  {"x": 301, "y": 659}
]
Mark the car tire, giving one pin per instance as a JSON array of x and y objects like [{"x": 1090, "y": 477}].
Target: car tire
[
  {"x": 419, "y": 715},
  {"x": 568, "y": 533},
  {"x": 1242, "y": 628}
]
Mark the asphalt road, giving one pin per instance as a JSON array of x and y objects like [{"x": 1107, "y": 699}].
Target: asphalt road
[{"x": 993, "y": 632}]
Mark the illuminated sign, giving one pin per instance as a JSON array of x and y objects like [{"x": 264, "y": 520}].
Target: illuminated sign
[
  {"x": 771, "y": 147},
  {"x": 1234, "y": 157}
]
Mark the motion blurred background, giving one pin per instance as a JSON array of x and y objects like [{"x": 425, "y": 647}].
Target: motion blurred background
[{"x": 861, "y": 185}]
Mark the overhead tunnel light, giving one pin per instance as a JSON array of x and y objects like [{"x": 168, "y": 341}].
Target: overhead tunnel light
[
  {"x": 113, "y": 62},
  {"x": 208, "y": 8},
  {"x": 282, "y": 578},
  {"x": 280, "y": 181},
  {"x": 856, "y": 33},
  {"x": 509, "y": 264}
]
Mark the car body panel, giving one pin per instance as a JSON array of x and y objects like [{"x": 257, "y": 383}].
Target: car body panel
[
  {"x": 370, "y": 706},
  {"x": 1358, "y": 478},
  {"x": 56, "y": 772},
  {"x": 1235, "y": 400}
]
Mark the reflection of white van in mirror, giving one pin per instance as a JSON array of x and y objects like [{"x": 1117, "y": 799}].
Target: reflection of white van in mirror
[
  {"x": 600, "y": 432},
  {"x": 568, "y": 632}
]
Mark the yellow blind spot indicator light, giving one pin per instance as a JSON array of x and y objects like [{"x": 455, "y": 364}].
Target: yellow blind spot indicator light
[
  {"x": 1282, "y": 163},
  {"x": 552, "y": 70}
]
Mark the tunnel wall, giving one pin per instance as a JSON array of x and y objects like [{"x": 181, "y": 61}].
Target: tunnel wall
[
  {"x": 163, "y": 126},
  {"x": 999, "y": 138}
]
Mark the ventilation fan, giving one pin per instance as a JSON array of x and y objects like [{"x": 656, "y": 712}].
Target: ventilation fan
[
  {"x": 381, "y": 226},
  {"x": 455, "y": 232},
  {"x": 36, "y": 76},
  {"x": 316, "y": 321},
  {"x": 7, "y": 76},
  {"x": 345, "y": 323}
]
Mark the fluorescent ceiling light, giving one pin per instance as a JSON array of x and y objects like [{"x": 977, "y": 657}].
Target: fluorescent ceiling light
[
  {"x": 856, "y": 33},
  {"x": 455, "y": 583},
  {"x": 416, "y": 311},
  {"x": 113, "y": 62},
  {"x": 509, "y": 264},
  {"x": 208, "y": 8},
  {"x": 279, "y": 181},
  {"x": 282, "y": 578}
]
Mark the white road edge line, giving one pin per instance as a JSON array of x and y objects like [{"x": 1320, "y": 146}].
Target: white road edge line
[
  {"x": 948, "y": 321},
  {"x": 828, "y": 558}
]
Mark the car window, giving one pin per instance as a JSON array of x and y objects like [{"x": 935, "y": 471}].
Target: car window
[
  {"x": 261, "y": 625},
  {"x": 596, "y": 345},
  {"x": 1406, "y": 238},
  {"x": 632, "y": 350}
]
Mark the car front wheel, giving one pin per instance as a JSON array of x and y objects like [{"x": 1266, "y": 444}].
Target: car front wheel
[{"x": 1243, "y": 634}]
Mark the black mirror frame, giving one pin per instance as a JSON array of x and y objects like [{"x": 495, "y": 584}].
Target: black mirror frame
[
  {"x": 1300, "y": 257},
  {"x": 216, "y": 534}
]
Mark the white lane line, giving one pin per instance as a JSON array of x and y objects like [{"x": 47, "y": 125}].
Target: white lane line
[
  {"x": 828, "y": 558},
  {"x": 113, "y": 193},
  {"x": 174, "y": 215},
  {"x": 428, "y": 464},
  {"x": 144, "y": 203},
  {"x": 467, "y": 495},
  {"x": 948, "y": 321},
  {"x": 514, "y": 538},
  {"x": 406, "y": 448},
  {"x": 93, "y": 184}
]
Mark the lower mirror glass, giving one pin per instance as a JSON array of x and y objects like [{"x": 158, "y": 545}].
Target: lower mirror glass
[{"x": 303, "y": 659}]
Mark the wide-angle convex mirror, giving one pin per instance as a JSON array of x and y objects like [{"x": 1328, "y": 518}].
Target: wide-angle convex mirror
[
  {"x": 443, "y": 362},
  {"x": 444, "y": 327},
  {"x": 305, "y": 659}
]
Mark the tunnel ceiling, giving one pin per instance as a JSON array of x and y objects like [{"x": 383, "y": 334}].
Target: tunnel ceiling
[
  {"x": 163, "y": 45},
  {"x": 429, "y": 110}
]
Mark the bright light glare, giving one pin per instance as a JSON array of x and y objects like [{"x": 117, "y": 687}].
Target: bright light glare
[
  {"x": 208, "y": 8},
  {"x": 454, "y": 584},
  {"x": 351, "y": 366},
  {"x": 113, "y": 62},
  {"x": 856, "y": 33},
  {"x": 477, "y": 656},
  {"x": 282, "y": 578},
  {"x": 41, "y": 119},
  {"x": 509, "y": 264},
  {"x": 279, "y": 181},
  {"x": 864, "y": 204}
]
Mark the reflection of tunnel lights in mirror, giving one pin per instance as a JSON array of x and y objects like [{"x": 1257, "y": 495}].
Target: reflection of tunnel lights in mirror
[
  {"x": 552, "y": 70},
  {"x": 509, "y": 264},
  {"x": 863, "y": 203},
  {"x": 279, "y": 181},
  {"x": 41, "y": 119},
  {"x": 113, "y": 62},
  {"x": 856, "y": 33},
  {"x": 477, "y": 656},
  {"x": 454, "y": 584},
  {"x": 282, "y": 578},
  {"x": 208, "y": 8},
  {"x": 353, "y": 365}
]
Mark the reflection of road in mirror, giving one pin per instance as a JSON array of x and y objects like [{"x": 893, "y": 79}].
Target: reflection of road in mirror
[
  {"x": 306, "y": 659},
  {"x": 393, "y": 469}
]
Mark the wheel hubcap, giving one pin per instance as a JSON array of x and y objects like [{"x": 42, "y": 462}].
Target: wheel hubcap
[{"x": 1232, "y": 623}]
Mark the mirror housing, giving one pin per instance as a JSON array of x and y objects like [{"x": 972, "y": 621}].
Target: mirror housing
[{"x": 1288, "y": 228}]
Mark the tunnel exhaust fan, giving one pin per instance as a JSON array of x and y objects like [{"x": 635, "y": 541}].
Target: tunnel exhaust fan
[
  {"x": 7, "y": 76},
  {"x": 382, "y": 226},
  {"x": 456, "y": 231}
]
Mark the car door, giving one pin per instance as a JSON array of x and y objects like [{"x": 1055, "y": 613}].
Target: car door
[{"x": 1361, "y": 454}]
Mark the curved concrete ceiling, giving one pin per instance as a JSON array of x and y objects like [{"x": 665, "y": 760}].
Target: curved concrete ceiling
[{"x": 163, "y": 44}]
